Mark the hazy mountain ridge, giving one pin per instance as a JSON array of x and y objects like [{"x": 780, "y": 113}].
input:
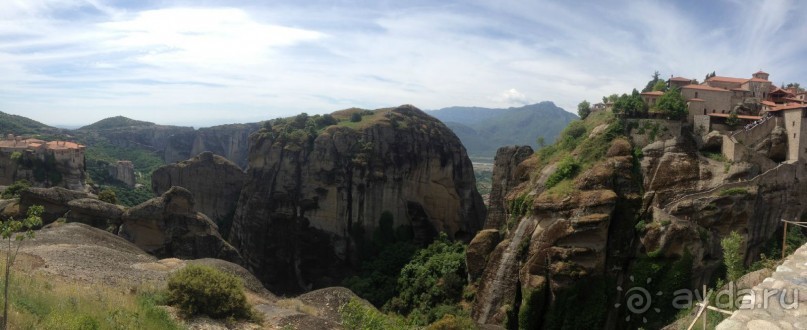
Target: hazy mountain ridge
[{"x": 483, "y": 130}]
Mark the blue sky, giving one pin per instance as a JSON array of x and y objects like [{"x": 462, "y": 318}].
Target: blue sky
[{"x": 198, "y": 63}]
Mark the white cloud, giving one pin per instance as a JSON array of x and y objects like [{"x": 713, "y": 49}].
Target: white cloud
[
  {"x": 208, "y": 64},
  {"x": 512, "y": 97}
]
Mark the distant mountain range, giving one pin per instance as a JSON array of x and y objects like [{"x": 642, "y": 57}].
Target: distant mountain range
[{"x": 483, "y": 130}]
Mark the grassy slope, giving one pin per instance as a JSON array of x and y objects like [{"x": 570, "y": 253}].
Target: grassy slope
[{"x": 20, "y": 125}]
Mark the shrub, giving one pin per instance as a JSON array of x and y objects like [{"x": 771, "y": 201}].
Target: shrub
[
  {"x": 14, "y": 189},
  {"x": 197, "y": 290},
  {"x": 434, "y": 277},
  {"x": 567, "y": 169},
  {"x": 108, "y": 195},
  {"x": 452, "y": 322},
  {"x": 733, "y": 255},
  {"x": 355, "y": 117},
  {"x": 356, "y": 315},
  {"x": 734, "y": 191}
]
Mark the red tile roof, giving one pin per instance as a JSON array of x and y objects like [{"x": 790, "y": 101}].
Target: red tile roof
[
  {"x": 790, "y": 106},
  {"x": 705, "y": 87},
  {"x": 680, "y": 79},
  {"x": 728, "y": 79},
  {"x": 769, "y": 103},
  {"x": 760, "y": 71},
  {"x": 759, "y": 80},
  {"x": 696, "y": 100},
  {"x": 654, "y": 93},
  {"x": 725, "y": 115},
  {"x": 62, "y": 145}
]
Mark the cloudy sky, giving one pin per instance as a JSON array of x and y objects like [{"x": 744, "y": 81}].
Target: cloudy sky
[{"x": 72, "y": 62}]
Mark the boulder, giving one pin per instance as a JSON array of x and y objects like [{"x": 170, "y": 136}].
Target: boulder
[
  {"x": 54, "y": 200},
  {"x": 479, "y": 250},
  {"x": 168, "y": 226},
  {"x": 711, "y": 141},
  {"x": 214, "y": 181},
  {"x": 96, "y": 213}
]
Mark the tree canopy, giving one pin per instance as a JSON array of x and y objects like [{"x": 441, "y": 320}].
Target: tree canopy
[
  {"x": 583, "y": 109},
  {"x": 652, "y": 83},
  {"x": 630, "y": 105},
  {"x": 672, "y": 104}
]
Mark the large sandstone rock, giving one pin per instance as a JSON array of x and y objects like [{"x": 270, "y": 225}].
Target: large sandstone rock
[
  {"x": 123, "y": 171},
  {"x": 168, "y": 226},
  {"x": 54, "y": 200},
  {"x": 505, "y": 178},
  {"x": 305, "y": 203},
  {"x": 229, "y": 141},
  {"x": 214, "y": 181},
  {"x": 96, "y": 213},
  {"x": 624, "y": 216},
  {"x": 479, "y": 251}
]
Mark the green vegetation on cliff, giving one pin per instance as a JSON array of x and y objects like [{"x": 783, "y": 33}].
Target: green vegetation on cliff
[
  {"x": 19, "y": 125},
  {"x": 116, "y": 122}
]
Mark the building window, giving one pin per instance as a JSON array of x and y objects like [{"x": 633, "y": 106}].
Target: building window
[
  {"x": 794, "y": 135},
  {"x": 696, "y": 95},
  {"x": 794, "y": 123}
]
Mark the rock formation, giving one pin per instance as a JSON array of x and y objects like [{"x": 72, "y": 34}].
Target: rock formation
[
  {"x": 309, "y": 198},
  {"x": 54, "y": 200},
  {"x": 123, "y": 171},
  {"x": 505, "y": 178},
  {"x": 214, "y": 181},
  {"x": 229, "y": 141},
  {"x": 168, "y": 226},
  {"x": 174, "y": 143},
  {"x": 659, "y": 213},
  {"x": 96, "y": 213}
]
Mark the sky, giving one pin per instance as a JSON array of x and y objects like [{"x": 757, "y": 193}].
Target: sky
[{"x": 201, "y": 63}]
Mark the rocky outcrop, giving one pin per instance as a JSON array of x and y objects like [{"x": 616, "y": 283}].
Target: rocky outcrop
[
  {"x": 505, "y": 178},
  {"x": 229, "y": 141},
  {"x": 564, "y": 239},
  {"x": 174, "y": 143},
  {"x": 308, "y": 201},
  {"x": 96, "y": 213},
  {"x": 657, "y": 215},
  {"x": 123, "y": 172},
  {"x": 214, "y": 181},
  {"x": 476, "y": 257},
  {"x": 168, "y": 226},
  {"x": 54, "y": 200}
]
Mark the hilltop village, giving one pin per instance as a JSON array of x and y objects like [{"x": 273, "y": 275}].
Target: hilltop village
[{"x": 731, "y": 114}]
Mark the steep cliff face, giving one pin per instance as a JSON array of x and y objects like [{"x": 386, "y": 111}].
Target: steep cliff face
[
  {"x": 215, "y": 182},
  {"x": 655, "y": 215},
  {"x": 311, "y": 197},
  {"x": 168, "y": 226},
  {"x": 174, "y": 143},
  {"x": 123, "y": 171},
  {"x": 230, "y": 141},
  {"x": 506, "y": 175}
]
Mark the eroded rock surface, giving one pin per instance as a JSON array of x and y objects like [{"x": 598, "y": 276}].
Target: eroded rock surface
[
  {"x": 214, "y": 181},
  {"x": 168, "y": 226},
  {"x": 306, "y": 203}
]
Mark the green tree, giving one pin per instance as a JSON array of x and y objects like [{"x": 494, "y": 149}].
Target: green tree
[
  {"x": 650, "y": 84},
  {"x": 583, "y": 109},
  {"x": 108, "y": 195},
  {"x": 733, "y": 255},
  {"x": 433, "y": 279},
  {"x": 672, "y": 104},
  {"x": 17, "y": 231},
  {"x": 733, "y": 121},
  {"x": 630, "y": 105},
  {"x": 541, "y": 142},
  {"x": 14, "y": 189},
  {"x": 355, "y": 117},
  {"x": 660, "y": 86}
]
